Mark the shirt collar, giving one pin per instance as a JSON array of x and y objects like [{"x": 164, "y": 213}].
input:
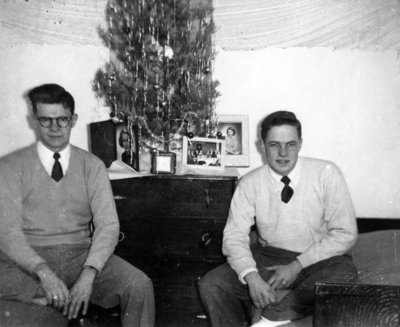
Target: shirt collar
[
  {"x": 294, "y": 175},
  {"x": 46, "y": 157}
]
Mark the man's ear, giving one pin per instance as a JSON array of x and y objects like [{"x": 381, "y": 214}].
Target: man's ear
[
  {"x": 32, "y": 121},
  {"x": 74, "y": 119},
  {"x": 262, "y": 144}
]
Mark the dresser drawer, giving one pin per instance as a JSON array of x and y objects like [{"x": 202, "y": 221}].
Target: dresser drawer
[
  {"x": 130, "y": 197},
  {"x": 173, "y": 197},
  {"x": 190, "y": 197},
  {"x": 135, "y": 239},
  {"x": 172, "y": 239},
  {"x": 188, "y": 239}
]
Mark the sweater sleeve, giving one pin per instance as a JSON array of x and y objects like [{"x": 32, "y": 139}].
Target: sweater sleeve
[
  {"x": 340, "y": 218},
  {"x": 105, "y": 219},
  {"x": 236, "y": 239},
  {"x": 13, "y": 241}
]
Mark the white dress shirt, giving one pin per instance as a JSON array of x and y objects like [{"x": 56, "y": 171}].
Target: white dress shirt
[{"x": 46, "y": 157}]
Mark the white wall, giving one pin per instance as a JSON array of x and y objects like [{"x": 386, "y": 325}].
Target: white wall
[
  {"x": 26, "y": 66},
  {"x": 347, "y": 100}
]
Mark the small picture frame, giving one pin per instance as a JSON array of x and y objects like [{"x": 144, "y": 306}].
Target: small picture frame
[
  {"x": 203, "y": 153},
  {"x": 163, "y": 162},
  {"x": 235, "y": 131},
  {"x": 127, "y": 144}
]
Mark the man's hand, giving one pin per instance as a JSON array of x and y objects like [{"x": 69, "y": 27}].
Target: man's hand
[
  {"x": 261, "y": 292},
  {"x": 284, "y": 275},
  {"x": 57, "y": 293},
  {"x": 81, "y": 292}
]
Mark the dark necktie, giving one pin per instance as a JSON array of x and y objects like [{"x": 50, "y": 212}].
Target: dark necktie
[
  {"x": 287, "y": 191},
  {"x": 57, "y": 172}
]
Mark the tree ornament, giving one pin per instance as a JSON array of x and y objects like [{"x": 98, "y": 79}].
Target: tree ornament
[
  {"x": 160, "y": 54},
  {"x": 168, "y": 52},
  {"x": 115, "y": 120},
  {"x": 129, "y": 59},
  {"x": 151, "y": 45},
  {"x": 120, "y": 116},
  {"x": 112, "y": 77}
]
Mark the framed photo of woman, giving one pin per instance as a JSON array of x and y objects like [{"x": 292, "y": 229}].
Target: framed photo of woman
[
  {"x": 115, "y": 142},
  {"x": 127, "y": 145},
  {"x": 235, "y": 131}
]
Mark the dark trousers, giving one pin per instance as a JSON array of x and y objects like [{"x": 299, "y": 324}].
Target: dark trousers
[
  {"x": 119, "y": 283},
  {"x": 227, "y": 301}
]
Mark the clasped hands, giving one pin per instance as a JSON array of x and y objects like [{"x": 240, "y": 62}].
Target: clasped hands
[
  {"x": 69, "y": 302},
  {"x": 262, "y": 292}
]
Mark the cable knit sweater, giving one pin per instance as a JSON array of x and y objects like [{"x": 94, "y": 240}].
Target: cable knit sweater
[
  {"x": 318, "y": 222},
  {"x": 37, "y": 211}
]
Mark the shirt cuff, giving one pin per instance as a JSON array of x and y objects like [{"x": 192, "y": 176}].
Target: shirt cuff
[
  {"x": 94, "y": 263},
  {"x": 245, "y": 272},
  {"x": 94, "y": 269},
  {"x": 305, "y": 260},
  {"x": 90, "y": 267}
]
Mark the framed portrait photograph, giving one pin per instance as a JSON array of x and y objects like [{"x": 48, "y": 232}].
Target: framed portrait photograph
[
  {"x": 203, "y": 153},
  {"x": 235, "y": 131},
  {"x": 127, "y": 144},
  {"x": 163, "y": 163}
]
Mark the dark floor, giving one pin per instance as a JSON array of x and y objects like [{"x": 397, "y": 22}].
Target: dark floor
[{"x": 306, "y": 322}]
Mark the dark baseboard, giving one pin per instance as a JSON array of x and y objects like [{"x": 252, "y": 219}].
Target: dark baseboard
[{"x": 366, "y": 225}]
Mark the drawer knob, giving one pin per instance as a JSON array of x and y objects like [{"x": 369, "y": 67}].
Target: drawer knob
[
  {"x": 208, "y": 198},
  {"x": 206, "y": 239},
  {"x": 119, "y": 197}
]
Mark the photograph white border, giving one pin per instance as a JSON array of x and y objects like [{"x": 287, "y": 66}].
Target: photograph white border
[
  {"x": 243, "y": 159},
  {"x": 218, "y": 144}
]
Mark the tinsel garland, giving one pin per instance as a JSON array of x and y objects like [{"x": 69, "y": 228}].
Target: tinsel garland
[{"x": 160, "y": 68}]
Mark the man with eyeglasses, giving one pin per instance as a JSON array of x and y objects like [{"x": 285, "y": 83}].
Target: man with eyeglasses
[{"x": 59, "y": 226}]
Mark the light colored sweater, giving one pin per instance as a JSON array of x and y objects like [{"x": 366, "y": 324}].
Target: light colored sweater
[
  {"x": 37, "y": 211},
  {"x": 319, "y": 221}
]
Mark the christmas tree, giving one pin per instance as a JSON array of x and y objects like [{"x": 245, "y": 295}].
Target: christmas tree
[{"x": 160, "y": 71}]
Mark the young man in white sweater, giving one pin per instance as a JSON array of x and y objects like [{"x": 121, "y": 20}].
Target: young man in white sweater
[
  {"x": 305, "y": 224},
  {"x": 51, "y": 195}
]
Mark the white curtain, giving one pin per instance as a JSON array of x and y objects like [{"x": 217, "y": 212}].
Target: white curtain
[
  {"x": 58, "y": 22},
  {"x": 241, "y": 24},
  {"x": 254, "y": 24}
]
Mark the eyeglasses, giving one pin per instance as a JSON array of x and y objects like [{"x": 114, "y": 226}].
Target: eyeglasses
[{"x": 46, "y": 122}]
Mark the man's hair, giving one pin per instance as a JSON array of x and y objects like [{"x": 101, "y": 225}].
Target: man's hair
[
  {"x": 123, "y": 131},
  {"x": 279, "y": 118},
  {"x": 51, "y": 94}
]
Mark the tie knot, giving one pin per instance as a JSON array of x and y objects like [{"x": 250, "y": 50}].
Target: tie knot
[
  {"x": 56, "y": 156},
  {"x": 285, "y": 180}
]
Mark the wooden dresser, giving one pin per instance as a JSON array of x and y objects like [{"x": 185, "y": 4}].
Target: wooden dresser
[{"x": 171, "y": 228}]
